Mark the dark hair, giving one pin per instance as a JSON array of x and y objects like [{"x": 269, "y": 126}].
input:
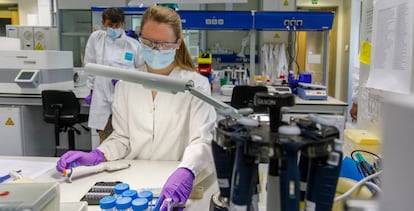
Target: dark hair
[
  {"x": 168, "y": 16},
  {"x": 114, "y": 14}
]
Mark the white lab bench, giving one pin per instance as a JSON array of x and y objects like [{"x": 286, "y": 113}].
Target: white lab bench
[
  {"x": 32, "y": 124},
  {"x": 141, "y": 174},
  {"x": 36, "y": 99}
]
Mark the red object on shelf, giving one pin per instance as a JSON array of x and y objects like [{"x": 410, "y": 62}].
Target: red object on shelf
[{"x": 204, "y": 69}]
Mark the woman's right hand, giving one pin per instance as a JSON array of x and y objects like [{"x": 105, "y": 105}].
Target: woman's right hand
[{"x": 78, "y": 158}]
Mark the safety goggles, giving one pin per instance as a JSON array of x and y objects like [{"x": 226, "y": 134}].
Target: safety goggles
[{"x": 157, "y": 45}]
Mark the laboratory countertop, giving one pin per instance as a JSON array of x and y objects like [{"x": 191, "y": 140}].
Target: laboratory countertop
[
  {"x": 329, "y": 106},
  {"x": 36, "y": 99},
  {"x": 298, "y": 100},
  {"x": 141, "y": 174}
]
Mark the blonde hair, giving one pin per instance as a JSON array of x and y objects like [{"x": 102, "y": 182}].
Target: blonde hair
[{"x": 168, "y": 16}]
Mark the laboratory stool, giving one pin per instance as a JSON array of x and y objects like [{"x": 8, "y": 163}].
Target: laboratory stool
[{"x": 62, "y": 109}]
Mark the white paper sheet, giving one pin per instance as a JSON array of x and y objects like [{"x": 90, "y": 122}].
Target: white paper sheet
[
  {"x": 392, "y": 52},
  {"x": 29, "y": 169}
]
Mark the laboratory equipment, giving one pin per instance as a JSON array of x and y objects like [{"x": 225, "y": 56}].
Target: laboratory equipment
[
  {"x": 35, "y": 37},
  {"x": 308, "y": 91},
  {"x": 30, "y": 72},
  {"x": 107, "y": 203},
  {"x": 9, "y": 43},
  {"x": 357, "y": 139},
  {"x": 109, "y": 166},
  {"x": 98, "y": 191},
  {"x": 29, "y": 196},
  {"x": 243, "y": 143},
  {"x": 279, "y": 89},
  {"x": 20, "y": 124},
  {"x": 205, "y": 62},
  {"x": 227, "y": 89}
]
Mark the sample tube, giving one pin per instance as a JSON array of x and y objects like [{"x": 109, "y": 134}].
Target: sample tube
[
  {"x": 147, "y": 195},
  {"x": 124, "y": 204},
  {"x": 107, "y": 203},
  {"x": 140, "y": 204},
  {"x": 130, "y": 193},
  {"x": 120, "y": 188}
]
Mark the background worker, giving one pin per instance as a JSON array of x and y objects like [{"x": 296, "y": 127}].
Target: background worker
[
  {"x": 111, "y": 47},
  {"x": 353, "y": 112},
  {"x": 151, "y": 125}
]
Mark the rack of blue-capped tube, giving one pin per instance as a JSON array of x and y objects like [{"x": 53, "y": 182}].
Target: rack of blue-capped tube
[{"x": 123, "y": 198}]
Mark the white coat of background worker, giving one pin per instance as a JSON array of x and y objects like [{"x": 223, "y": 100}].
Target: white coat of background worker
[
  {"x": 152, "y": 125},
  {"x": 111, "y": 47},
  {"x": 353, "y": 112}
]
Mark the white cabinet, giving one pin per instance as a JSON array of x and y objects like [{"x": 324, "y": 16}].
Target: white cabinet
[{"x": 24, "y": 133}]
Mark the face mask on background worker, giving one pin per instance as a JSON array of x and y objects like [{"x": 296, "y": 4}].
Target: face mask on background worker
[{"x": 113, "y": 33}]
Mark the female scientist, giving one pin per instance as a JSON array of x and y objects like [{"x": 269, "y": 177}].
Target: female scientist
[{"x": 151, "y": 125}]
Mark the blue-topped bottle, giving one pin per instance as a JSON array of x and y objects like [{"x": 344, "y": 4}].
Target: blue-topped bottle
[
  {"x": 133, "y": 194},
  {"x": 124, "y": 204},
  {"x": 120, "y": 188},
  {"x": 108, "y": 203},
  {"x": 146, "y": 194},
  {"x": 140, "y": 204}
]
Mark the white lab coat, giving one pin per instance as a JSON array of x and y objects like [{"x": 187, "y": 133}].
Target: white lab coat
[
  {"x": 100, "y": 49},
  {"x": 175, "y": 127}
]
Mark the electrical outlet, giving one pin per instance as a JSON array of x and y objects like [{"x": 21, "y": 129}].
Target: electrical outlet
[
  {"x": 286, "y": 22},
  {"x": 299, "y": 22},
  {"x": 293, "y": 22}
]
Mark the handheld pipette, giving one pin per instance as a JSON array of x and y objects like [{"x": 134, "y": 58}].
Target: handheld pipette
[{"x": 85, "y": 170}]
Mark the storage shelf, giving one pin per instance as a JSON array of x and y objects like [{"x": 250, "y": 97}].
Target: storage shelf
[
  {"x": 233, "y": 58},
  {"x": 246, "y": 20},
  {"x": 299, "y": 21}
]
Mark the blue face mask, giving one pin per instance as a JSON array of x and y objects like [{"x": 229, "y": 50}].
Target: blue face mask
[
  {"x": 157, "y": 59},
  {"x": 113, "y": 33}
]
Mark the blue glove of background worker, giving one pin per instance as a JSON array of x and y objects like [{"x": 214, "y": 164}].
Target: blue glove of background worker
[
  {"x": 178, "y": 187},
  {"x": 114, "y": 81},
  {"x": 78, "y": 158}
]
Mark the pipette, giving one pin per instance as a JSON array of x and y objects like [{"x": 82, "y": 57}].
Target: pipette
[{"x": 86, "y": 170}]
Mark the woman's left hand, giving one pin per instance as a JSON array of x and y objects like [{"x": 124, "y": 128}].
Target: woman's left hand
[{"x": 178, "y": 187}]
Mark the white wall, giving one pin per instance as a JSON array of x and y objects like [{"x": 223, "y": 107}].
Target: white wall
[
  {"x": 40, "y": 8},
  {"x": 26, "y": 7},
  {"x": 44, "y": 12}
]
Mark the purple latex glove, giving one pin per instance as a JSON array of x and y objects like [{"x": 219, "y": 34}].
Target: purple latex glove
[
  {"x": 88, "y": 99},
  {"x": 178, "y": 188},
  {"x": 78, "y": 158},
  {"x": 114, "y": 81}
]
